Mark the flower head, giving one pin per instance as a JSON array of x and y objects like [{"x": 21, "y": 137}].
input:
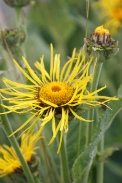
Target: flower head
[
  {"x": 53, "y": 96},
  {"x": 112, "y": 13},
  {"x": 100, "y": 44},
  {"x": 9, "y": 162}
]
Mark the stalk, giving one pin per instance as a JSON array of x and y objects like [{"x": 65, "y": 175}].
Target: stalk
[
  {"x": 79, "y": 138},
  {"x": 100, "y": 165},
  {"x": 96, "y": 76},
  {"x": 94, "y": 85},
  {"x": 87, "y": 15},
  {"x": 64, "y": 162}
]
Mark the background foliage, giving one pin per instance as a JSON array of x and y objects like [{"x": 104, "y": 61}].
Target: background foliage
[{"x": 63, "y": 23}]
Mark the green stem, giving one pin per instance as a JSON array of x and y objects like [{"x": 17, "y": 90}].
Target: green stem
[
  {"x": 64, "y": 162},
  {"x": 96, "y": 76},
  {"x": 100, "y": 165},
  {"x": 22, "y": 27},
  {"x": 18, "y": 15},
  {"x": 15, "y": 145},
  {"x": 79, "y": 138},
  {"x": 87, "y": 15},
  {"x": 94, "y": 85}
]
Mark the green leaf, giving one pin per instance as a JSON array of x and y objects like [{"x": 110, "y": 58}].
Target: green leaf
[{"x": 84, "y": 161}]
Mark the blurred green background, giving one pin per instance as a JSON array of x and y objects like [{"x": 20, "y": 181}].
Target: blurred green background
[{"x": 63, "y": 23}]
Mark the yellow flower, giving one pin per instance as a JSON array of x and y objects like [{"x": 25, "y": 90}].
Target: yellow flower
[
  {"x": 52, "y": 96},
  {"x": 9, "y": 161},
  {"x": 112, "y": 13}
]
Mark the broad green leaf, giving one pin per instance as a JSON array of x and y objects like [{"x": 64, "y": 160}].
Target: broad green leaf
[{"x": 84, "y": 161}]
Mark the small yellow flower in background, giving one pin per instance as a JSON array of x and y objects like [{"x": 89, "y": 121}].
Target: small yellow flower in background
[
  {"x": 52, "y": 96},
  {"x": 100, "y": 44},
  {"x": 9, "y": 162},
  {"x": 111, "y": 13}
]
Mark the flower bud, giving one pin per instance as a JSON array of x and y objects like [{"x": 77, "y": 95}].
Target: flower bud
[
  {"x": 12, "y": 37},
  {"x": 100, "y": 44},
  {"x": 19, "y": 3}
]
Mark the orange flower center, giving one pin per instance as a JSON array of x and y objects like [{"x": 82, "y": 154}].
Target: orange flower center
[{"x": 58, "y": 93}]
